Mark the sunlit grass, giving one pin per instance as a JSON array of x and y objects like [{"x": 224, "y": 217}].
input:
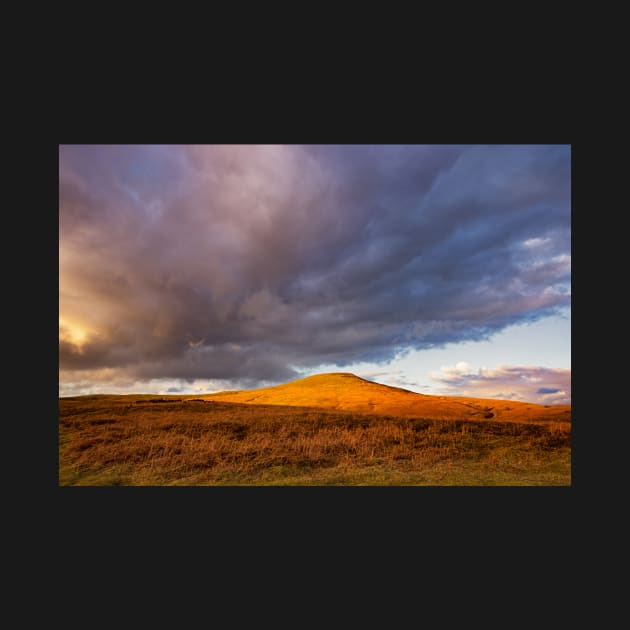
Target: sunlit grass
[
  {"x": 127, "y": 440},
  {"x": 346, "y": 392}
]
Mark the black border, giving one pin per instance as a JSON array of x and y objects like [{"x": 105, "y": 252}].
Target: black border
[{"x": 435, "y": 526}]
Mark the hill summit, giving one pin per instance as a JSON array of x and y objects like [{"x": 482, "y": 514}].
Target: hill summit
[{"x": 345, "y": 391}]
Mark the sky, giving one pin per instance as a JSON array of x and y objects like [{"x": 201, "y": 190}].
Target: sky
[{"x": 442, "y": 269}]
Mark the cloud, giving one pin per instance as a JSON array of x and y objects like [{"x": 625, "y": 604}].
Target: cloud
[
  {"x": 545, "y": 386},
  {"x": 370, "y": 376},
  {"x": 253, "y": 262},
  {"x": 453, "y": 373}
]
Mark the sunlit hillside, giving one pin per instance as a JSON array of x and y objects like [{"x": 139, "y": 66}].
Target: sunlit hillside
[{"x": 344, "y": 391}]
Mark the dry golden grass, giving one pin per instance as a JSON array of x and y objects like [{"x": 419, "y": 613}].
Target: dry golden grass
[{"x": 145, "y": 440}]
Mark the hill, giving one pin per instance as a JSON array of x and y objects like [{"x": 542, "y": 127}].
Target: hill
[{"x": 344, "y": 391}]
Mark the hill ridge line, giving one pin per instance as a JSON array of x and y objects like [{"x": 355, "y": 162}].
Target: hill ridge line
[{"x": 345, "y": 391}]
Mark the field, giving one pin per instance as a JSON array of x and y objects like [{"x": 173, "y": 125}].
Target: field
[{"x": 169, "y": 440}]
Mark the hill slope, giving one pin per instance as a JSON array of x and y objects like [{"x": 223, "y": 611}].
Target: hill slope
[{"x": 347, "y": 392}]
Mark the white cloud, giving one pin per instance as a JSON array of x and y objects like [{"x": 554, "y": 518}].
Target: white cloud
[
  {"x": 118, "y": 385},
  {"x": 371, "y": 375},
  {"x": 535, "y": 242},
  {"x": 451, "y": 373},
  {"x": 545, "y": 386}
]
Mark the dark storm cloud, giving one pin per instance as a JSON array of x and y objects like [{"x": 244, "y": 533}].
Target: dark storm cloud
[
  {"x": 547, "y": 390},
  {"x": 242, "y": 262}
]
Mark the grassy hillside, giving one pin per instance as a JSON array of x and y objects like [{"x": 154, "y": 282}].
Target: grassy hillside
[
  {"x": 347, "y": 392},
  {"x": 169, "y": 440}
]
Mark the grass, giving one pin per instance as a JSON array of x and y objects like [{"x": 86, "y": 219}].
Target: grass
[{"x": 155, "y": 441}]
